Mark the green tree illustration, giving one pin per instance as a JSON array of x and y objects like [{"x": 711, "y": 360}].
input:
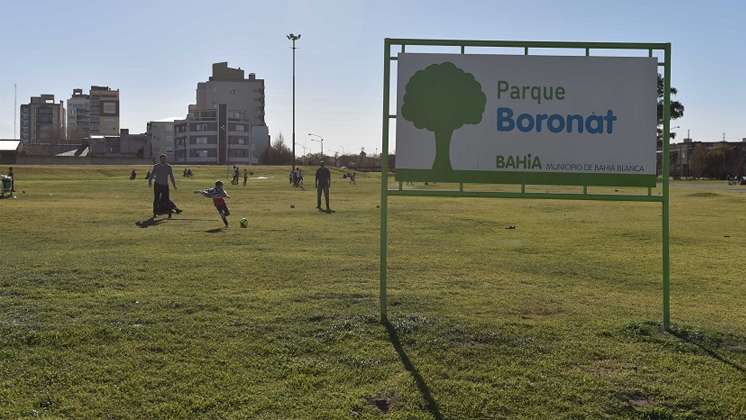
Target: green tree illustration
[{"x": 442, "y": 98}]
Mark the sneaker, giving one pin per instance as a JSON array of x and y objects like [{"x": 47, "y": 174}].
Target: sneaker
[{"x": 178, "y": 211}]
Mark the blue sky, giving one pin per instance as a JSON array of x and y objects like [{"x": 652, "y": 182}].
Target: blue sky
[{"x": 155, "y": 52}]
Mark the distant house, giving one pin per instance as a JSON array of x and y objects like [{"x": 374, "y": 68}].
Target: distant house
[
  {"x": 696, "y": 159},
  {"x": 9, "y": 150},
  {"x": 125, "y": 145}
]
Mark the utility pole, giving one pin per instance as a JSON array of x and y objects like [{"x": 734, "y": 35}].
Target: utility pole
[
  {"x": 293, "y": 38},
  {"x": 15, "y": 109}
]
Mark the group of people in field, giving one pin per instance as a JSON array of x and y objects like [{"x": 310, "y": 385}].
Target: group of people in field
[
  {"x": 236, "y": 176},
  {"x": 161, "y": 178},
  {"x": 296, "y": 178}
]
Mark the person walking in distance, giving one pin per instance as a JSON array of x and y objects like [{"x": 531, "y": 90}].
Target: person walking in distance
[
  {"x": 245, "y": 176},
  {"x": 236, "y": 173},
  {"x": 160, "y": 174},
  {"x": 323, "y": 182}
]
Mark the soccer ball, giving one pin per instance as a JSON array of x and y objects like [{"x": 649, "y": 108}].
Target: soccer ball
[{"x": 244, "y": 222}]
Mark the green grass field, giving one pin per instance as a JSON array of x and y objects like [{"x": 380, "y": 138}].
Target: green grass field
[{"x": 559, "y": 317}]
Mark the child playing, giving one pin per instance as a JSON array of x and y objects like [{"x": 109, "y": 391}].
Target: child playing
[{"x": 218, "y": 196}]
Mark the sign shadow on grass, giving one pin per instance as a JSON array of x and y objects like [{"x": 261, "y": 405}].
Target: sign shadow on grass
[
  {"x": 430, "y": 403},
  {"x": 707, "y": 349}
]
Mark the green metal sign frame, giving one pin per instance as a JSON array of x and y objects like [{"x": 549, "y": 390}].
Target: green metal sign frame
[{"x": 662, "y": 198}]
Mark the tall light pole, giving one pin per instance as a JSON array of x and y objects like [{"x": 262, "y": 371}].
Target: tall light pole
[
  {"x": 15, "y": 108},
  {"x": 293, "y": 38},
  {"x": 320, "y": 140}
]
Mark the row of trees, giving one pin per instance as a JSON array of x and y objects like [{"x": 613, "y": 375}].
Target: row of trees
[
  {"x": 279, "y": 153},
  {"x": 719, "y": 162}
]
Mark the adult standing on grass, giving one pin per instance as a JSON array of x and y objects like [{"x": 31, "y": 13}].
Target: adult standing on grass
[
  {"x": 236, "y": 171},
  {"x": 160, "y": 174},
  {"x": 323, "y": 182},
  {"x": 12, "y": 180}
]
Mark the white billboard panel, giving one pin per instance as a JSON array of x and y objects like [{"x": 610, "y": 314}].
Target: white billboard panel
[{"x": 526, "y": 119}]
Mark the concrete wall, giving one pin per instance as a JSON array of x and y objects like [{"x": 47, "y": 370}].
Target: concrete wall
[{"x": 53, "y": 160}]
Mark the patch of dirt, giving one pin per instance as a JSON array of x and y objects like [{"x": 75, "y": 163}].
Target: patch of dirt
[
  {"x": 383, "y": 404},
  {"x": 636, "y": 399}
]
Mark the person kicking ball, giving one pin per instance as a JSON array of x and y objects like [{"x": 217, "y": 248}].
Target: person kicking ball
[{"x": 218, "y": 195}]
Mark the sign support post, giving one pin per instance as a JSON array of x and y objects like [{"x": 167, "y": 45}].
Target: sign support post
[
  {"x": 385, "y": 180},
  {"x": 664, "y": 180}
]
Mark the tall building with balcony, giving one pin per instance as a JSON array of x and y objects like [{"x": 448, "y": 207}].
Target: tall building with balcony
[
  {"x": 93, "y": 114},
  {"x": 43, "y": 120},
  {"x": 226, "y": 125}
]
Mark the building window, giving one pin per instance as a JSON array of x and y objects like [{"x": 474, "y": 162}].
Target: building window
[
  {"x": 203, "y": 153},
  {"x": 203, "y": 126},
  {"x": 238, "y": 153},
  {"x": 201, "y": 140},
  {"x": 238, "y": 140},
  {"x": 109, "y": 108}
]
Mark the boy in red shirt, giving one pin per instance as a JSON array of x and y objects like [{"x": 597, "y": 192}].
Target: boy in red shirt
[{"x": 218, "y": 196}]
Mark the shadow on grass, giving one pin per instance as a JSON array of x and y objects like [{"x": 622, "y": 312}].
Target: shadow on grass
[
  {"x": 431, "y": 404},
  {"x": 684, "y": 336},
  {"x": 148, "y": 223},
  {"x": 689, "y": 338},
  {"x": 215, "y": 230}
]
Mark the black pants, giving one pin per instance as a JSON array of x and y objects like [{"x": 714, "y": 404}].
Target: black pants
[
  {"x": 161, "y": 200},
  {"x": 325, "y": 189}
]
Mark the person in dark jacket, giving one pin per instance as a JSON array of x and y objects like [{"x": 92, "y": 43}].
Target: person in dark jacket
[
  {"x": 323, "y": 182},
  {"x": 161, "y": 174}
]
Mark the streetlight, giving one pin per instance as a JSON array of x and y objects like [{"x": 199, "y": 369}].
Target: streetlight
[
  {"x": 336, "y": 155},
  {"x": 293, "y": 38},
  {"x": 320, "y": 140}
]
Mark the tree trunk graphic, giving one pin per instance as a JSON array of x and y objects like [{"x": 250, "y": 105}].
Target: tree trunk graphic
[
  {"x": 442, "y": 163},
  {"x": 441, "y": 98}
]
